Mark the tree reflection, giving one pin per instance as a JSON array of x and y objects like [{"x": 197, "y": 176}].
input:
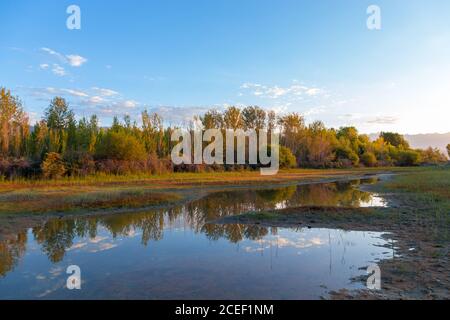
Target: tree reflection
[
  {"x": 11, "y": 250},
  {"x": 57, "y": 235}
]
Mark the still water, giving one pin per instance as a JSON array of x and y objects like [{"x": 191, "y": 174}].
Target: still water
[{"x": 178, "y": 253}]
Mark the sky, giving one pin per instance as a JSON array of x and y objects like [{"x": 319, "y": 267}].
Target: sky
[{"x": 182, "y": 57}]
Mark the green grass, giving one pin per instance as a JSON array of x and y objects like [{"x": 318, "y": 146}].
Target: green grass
[
  {"x": 58, "y": 202},
  {"x": 434, "y": 181},
  {"x": 133, "y": 191},
  {"x": 422, "y": 197}
]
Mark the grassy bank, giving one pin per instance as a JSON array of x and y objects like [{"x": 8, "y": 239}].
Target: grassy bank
[
  {"x": 418, "y": 219},
  {"x": 109, "y": 192}
]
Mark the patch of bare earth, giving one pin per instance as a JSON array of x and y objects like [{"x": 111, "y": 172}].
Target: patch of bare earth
[{"x": 420, "y": 268}]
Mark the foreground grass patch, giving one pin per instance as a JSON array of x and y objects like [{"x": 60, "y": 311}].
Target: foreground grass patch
[{"x": 98, "y": 200}]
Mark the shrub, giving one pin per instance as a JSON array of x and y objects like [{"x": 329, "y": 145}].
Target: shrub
[
  {"x": 408, "y": 158},
  {"x": 53, "y": 166},
  {"x": 345, "y": 155},
  {"x": 369, "y": 159},
  {"x": 159, "y": 166},
  {"x": 120, "y": 146},
  {"x": 12, "y": 167},
  {"x": 79, "y": 164},
  {"x": 433, "y": 156},
  {"x": 287, "y": 159}
]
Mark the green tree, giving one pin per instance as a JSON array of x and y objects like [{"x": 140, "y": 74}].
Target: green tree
[
  {"x": 61, "y": 124},
  {"x": 408, "y": 158},
  {"x": 369, "y": 159},
  {"x": 58, "y": 114},
  {"x": 395, "y": 139},
  {"x": 287, "y": 159},
  {"x": 254, "y": 118},
  {"x": 448, "y": 149},
  {"x": 212, "y": 119},
  {"x": 120, "y": 146}
]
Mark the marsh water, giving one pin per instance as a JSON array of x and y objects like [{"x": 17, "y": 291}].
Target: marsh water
[{"x": 180, "y": 253}]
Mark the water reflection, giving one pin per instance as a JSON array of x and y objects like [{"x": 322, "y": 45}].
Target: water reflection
[{"x": 58, "y": 238}]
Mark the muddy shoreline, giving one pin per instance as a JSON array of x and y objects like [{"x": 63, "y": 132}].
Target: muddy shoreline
[
  {"x": 420, "y": 267},
  {"x": 10, "y": 224}
]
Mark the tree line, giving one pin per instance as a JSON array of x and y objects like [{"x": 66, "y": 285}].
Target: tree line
[{"x": 59, "y": 145}]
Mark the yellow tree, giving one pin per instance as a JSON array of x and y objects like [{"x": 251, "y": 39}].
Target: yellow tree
[{"x": 14, "y": 127}]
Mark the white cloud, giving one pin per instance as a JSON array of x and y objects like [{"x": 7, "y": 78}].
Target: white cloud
[
  {"x": 53, "y": 53},
  {"x": 58, "y": 70},
  {"x": 44, "y": 66},
  {"x": 73, "y": 60},
  {"x": 282, "y": 242},
  {"x": 76, "y": 93},
  {"x": 313, "y": 91},
  {"x": 383, "y": 120},
  {"x": 96, "y": 100},
  {"x": 128, "y": 104},
  {"x": 97, "y": 239},
  {"x": 292, "y": 92},
  {"x": 105, "y": 92},
  {"x": 103, "y": 247},
  {"x": 76, "y": 60}
]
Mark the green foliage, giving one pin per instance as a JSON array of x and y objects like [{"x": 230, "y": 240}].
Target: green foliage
[
  {"x": 448, "y": 149},
  {"x": 58, "y": 115},
  {"x": 369, "y": 159},
  {"x": 53, "y": 167},
  {"x": 408, "y": 158},
  {"x": 395, "y": 139},
  {"x": 126, "y": 147},
  {"x": 287, "y": 159},
  {"x": 120, "y": 146}
]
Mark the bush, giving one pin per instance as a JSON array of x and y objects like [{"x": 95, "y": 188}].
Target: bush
[
  {"x": 79, "y": 164},
  {"x": 12, "y": 167},
  {"x": 345, "y": 155},
  {"x": 159, "y": 166},
  {"x": 120, "y": 146},
  {"x": 432, "y": 156},
  {"x": 53, "y": 166},
  {"x": 408, "y": 158},
  {"x": 287, "y": 159},
  {"x": 369, "y": 159}
]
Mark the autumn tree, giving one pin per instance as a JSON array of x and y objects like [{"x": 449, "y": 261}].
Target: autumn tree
[
  {"x": 212, "y": 119},
  {"x": 14, "y": 127},
  {"x": 253, "y": 117},
  {"x": 233, "y": 118},
  {"x": 53, "y": 166},
  {"x": 292, "y": 127}
]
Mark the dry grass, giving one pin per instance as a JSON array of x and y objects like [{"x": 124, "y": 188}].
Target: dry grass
[
  {"x": 105, "y": 192},
  {"x": 63, "y": 201}
]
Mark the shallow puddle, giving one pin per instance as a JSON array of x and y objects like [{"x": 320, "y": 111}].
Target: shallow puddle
[{"x": 179, "y": 254}]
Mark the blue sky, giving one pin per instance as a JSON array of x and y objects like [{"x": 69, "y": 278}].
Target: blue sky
[{"x": 182, "y": 57}]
